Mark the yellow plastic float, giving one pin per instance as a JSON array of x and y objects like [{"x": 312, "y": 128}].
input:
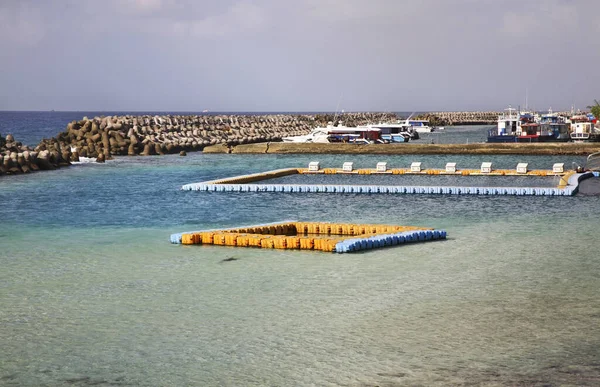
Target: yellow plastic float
[{"x": 321, "y": 236}]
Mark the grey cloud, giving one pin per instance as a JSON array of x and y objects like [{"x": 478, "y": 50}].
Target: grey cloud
[
  {"x": 21, "y": 23},
  {"x": 298, "y": 55}
]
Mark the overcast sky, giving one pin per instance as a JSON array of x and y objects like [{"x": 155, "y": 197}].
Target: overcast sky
[{"x": 298, "y": 55}]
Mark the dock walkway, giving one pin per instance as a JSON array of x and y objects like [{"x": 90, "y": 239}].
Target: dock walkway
[{"x": 568, "y": 184}]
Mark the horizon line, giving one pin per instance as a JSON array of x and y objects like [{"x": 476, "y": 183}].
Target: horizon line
[{"x": 254, "y": 111}]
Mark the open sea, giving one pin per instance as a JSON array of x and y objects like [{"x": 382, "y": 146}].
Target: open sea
[{"x": 93, "y": 293}]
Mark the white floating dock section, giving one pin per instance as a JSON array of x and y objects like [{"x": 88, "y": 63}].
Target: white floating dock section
[
  {"x": 568, "y": 186},
  {"x": 380, "y": 189}
]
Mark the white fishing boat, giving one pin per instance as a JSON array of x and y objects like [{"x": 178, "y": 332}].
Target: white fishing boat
[
  {"x": 338, "y": 134},
  {"x": 316, "y": 135},
  {"x": 394, "y": 132},
  {"x": 583, "y": 130},
  {"x": 419, "y": 126},
  {"x": 508, "y": 127},
  {"x": 553, "y": 127}
]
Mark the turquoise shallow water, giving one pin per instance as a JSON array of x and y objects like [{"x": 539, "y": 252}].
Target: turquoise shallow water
[{"x": 92, "y": 292}]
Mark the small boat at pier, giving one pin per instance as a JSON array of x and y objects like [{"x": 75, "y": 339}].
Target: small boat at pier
[
  {"x": 394, "y": 132},
  {"x": 419, "y": 126},
  {"x": 508, "y": 127},
  {"x": 583, "y": 130},
  {"x": 553, "y": 128},
  {"x": 339, "y": 134},
  {"x": 516, "y": 126}
]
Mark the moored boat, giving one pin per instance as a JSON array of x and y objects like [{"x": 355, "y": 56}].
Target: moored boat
[
  {"x": 583, "y": 130},
  {"x": 508, "y": 127},
  {"x": 394, "y": 132},
  {"x": 317, "y": 135},
  {"x": 553, "y": 128},
  {"x": 416, "y": 126},
  {"x": 420, "y": 126},
  {"x": 517, "y": 126},
  {"x": 338, "y": 134}
]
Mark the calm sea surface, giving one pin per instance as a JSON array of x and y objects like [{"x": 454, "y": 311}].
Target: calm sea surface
[{"x": 92, "y": 292}]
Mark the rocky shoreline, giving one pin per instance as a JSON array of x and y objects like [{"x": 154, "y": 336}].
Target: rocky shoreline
[
  {"x": 168, "y": 134},
  {"x": 460, "y": 118},
  {"x": 104, "y": 137},
  {"x": 16, "y": 158}
]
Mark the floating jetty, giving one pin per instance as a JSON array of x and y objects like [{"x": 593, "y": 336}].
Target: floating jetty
[
  {"x": 567, "y": 186},
  {"x": 327, "y": 237}
]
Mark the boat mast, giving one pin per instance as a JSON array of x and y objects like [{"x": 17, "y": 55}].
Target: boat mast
[{"x": 336, "y": 109}]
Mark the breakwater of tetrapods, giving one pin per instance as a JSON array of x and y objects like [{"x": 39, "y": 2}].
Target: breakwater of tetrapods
[
  {"x": 460, "y": 118},
  {"x": 167, "y": 134},
  {"x": 102, "y": 137},
  {"x": 16, "y": 158}
]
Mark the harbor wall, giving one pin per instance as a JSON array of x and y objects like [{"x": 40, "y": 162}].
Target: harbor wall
[
  {"x": 100, "y": 138},
  {"x": 460, "y": 118},
  {"x": 465, "y": 118},
  {"x": 16, "y": 158},
  {"x": 167, "y": 134},
  {"x": 408, "y": 148}
]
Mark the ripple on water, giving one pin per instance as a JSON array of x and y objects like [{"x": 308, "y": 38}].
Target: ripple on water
[{"x": 93, "y": 292}]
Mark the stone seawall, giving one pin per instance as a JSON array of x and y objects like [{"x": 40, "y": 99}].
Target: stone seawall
[
  {"x": 460, "y": 118},
  {"x": 16, "y": 158},
  {"x": 104, "y": 137}
]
